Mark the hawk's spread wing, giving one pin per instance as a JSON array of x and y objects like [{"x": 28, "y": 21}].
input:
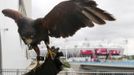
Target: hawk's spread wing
[{"x": 69, "y": 16}]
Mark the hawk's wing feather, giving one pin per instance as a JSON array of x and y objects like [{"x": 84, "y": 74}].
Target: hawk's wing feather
[
  {"x": 69, "y": 16},
  {"x": 12, "y": 14},
  {"x": 101, "y": 13},
  {"x": 65, "y": 19}
]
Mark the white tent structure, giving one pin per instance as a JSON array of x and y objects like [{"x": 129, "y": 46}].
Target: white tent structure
[{"x": 13, "y": 56}]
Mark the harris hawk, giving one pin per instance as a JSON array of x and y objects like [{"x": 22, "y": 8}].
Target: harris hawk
[{"x": 64, "y": 20}]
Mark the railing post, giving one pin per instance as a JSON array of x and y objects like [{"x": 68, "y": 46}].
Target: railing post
[
  {"x": 0, "y": 71},
  {"x": 66, "y": 73},
  {"x": 17, "y": 72}
]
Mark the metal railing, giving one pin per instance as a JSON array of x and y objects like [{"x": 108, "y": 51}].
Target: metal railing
[
  {"x": 12, "y": 72},
  {"x": 94, "y": 73},
  {"x": 21, "y": 72}
]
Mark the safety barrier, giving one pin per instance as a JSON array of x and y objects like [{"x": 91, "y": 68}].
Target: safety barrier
[
  {"x": 21, "y": 72},
  {"x": 12, "y": 72}
]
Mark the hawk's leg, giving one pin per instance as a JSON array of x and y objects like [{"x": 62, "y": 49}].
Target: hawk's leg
[
  {"x": 39, "y": 58},
  {"x": 51, "y": 52}
]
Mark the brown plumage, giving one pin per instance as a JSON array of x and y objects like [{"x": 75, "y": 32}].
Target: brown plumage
[{"x": 62, "y": 21}]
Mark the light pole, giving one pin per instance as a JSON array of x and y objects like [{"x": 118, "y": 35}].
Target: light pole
[
  {"x": 1, "y": 29},
  {"x": 0, "y": 56}
]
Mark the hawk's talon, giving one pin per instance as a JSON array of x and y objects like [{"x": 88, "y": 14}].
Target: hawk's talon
[
  {"x": 34, "y": 65},
  {"x": 51, "y": 54}
]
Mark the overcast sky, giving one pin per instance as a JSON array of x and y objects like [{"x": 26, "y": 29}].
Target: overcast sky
[
  {"x": 122, "y": 10},
  {"x": 123, "y": 27}
]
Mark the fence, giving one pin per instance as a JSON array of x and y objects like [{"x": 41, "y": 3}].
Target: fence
[
  {"x": 21, "y": 72},
  {"x": 12, "y": 72},
  {"x": 95, "y": 73}
]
